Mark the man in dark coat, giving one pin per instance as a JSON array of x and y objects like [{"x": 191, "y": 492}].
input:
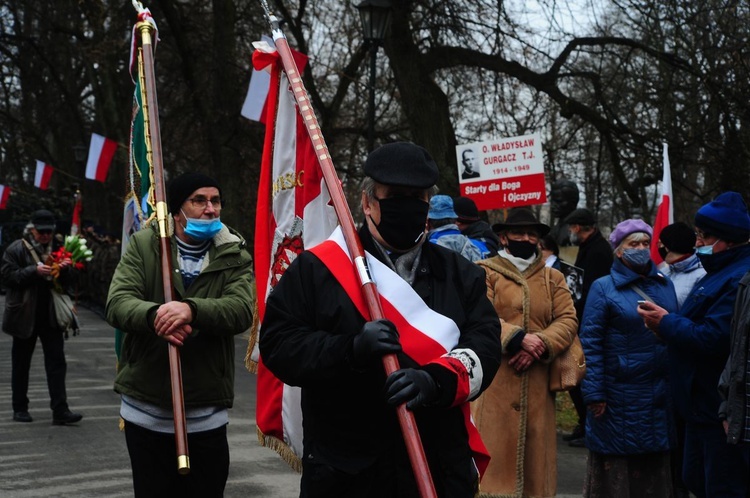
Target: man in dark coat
[
  {"x": 697, "y": 338},
  {"x": 29, "y": 314},
  {"x": 315, "y": 335},
  {"x": 595, "y": 259}
]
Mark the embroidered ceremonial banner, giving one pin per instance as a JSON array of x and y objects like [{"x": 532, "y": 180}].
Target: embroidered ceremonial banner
[{"x": 293, "y": 213}]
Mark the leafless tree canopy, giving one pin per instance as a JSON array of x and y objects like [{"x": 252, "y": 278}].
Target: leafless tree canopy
[{"x": 604, "y": 82}]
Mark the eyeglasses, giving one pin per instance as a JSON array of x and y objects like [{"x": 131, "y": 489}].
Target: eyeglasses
[
  {"x": 703, "y": 235},
  {"x": 201, "y": 202},
  {"x": 532, "y": 234}
]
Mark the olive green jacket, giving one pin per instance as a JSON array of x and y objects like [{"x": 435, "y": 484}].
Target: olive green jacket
[{"x": 222, "y": 301}]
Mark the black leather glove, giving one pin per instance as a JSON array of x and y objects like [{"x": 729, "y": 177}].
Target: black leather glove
[
  {"x": 415, "y": 387},
  {"x": 376, "y": 339}
]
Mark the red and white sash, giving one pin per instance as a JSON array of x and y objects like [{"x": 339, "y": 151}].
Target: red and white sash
[{"x": 425, "y": 335}]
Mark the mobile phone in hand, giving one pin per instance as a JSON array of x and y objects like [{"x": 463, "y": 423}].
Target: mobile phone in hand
[{"x": 641, "y": 303}]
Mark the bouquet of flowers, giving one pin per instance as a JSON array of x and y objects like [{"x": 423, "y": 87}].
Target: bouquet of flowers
[{"x": 75, "y": 250}]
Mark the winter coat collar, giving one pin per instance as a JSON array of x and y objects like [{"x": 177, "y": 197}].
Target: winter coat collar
[
  {"x": 720, "y": 260},
  {"x": 687, "y": 265},
  {"x": 624, "y": 276}
]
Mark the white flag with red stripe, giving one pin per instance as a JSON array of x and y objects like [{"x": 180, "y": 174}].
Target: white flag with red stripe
[
  {"x": 4, "y": 196},
  {"x": 425, "y": 335},
  {"x": 254, "y": 107},
  {"x": 665, "y": 211},
  {"x": 293, "y": 213},
  {"x": 43, "y": 175},
  {"x": 75, "y": 223},
  {"x": 101, "y": 152}
]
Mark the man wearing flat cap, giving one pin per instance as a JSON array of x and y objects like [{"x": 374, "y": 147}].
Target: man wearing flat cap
[
  {"x": 212, "y": 280},
  {"x": 29, "y": 314},
  {"x": 316, "y": 334},
  {"x": 595, "y": 259},
  {"x": 698, "y": 340}
]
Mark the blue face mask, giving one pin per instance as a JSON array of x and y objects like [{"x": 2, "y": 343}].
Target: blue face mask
[
  {"x": 198, "y": 229},
  {"x": 705, "y": 250},
  {"x": 637, "y": 258}
]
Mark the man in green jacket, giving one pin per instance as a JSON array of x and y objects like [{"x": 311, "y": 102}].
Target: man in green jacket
[{"x": 212, "y": 280}]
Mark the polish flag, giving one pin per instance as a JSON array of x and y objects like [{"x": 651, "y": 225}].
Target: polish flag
[
  {"x": 75, "y": 224},
  {"x": 4, "y": 195},
  {"x": 288, "y": 221},
  {"x": 254, "y": 107},
  {"x": 101, "y": 152},
  {"x": 43, "y": 175},
  {"x": 665, "y": 211}
]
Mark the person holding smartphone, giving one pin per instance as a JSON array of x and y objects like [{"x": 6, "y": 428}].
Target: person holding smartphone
[
  {"x": 629, "y": 430},
  {"x": 698, "y": 341}
]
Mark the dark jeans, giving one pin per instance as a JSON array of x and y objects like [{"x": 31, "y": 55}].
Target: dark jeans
[
  {"x": 53, "y": 345},
  {"x": 577, "y": 397},
  {"x": 712, "y": 468},
  {"x": 154, "y": 463}
]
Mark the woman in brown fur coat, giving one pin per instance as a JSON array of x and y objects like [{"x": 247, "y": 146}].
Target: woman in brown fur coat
[{"x": 516, "y": 414}]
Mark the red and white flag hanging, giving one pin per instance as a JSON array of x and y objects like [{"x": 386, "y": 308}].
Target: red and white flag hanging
[
  {"x": 293, "y": 213},
  {"x": 665, "y": 211},
  {"x": 101, "y": 152},
  {"x": 43, "y": 175},
  {"x": 4, "y": 196},
  {"x": 254, "y": 106},
  {"x": 75, "y": 223}
]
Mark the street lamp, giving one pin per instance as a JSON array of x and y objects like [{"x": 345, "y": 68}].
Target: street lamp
[
  {"x": 376, "y": 18},
  {"x": 79, "y": 153}
]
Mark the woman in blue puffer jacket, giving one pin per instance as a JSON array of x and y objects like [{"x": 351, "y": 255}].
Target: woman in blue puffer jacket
[{"x": 629, "y": 425}]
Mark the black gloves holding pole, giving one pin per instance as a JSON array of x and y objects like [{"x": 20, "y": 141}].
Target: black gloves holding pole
[{"x": 408, "y": 385}]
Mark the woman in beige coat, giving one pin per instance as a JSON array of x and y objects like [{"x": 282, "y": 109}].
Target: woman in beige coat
[{"x": 516, "y": 414}]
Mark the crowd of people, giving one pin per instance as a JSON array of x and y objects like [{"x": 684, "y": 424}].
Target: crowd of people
[{"x": 475, "y": 314}]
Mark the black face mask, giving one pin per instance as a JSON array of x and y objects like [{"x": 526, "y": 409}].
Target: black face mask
[
  {"x": 402, "y": 221},
  {"x": 521, "y": 249},
  {"x": 663, "y": 252}
]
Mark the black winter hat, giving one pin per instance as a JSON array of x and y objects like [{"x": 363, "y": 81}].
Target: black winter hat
[
  {"x": 678, "y": 237},
  {"x": 402, "y": 164},
  {"x": 43, "y": 220},
  {"x": 181, "y": 187},
  {"x": 581, "y": 216},
  {"x": 466, "y": 210}
]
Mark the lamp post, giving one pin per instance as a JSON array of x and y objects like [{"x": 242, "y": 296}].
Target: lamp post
[
  {"x": 79, "y": 153},
  {"x": 376, "y": 18}
]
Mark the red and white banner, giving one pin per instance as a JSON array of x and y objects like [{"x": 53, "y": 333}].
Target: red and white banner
[
  {"x": 665, "y": 211},
  {"x": 4, "y": 196},
  {"x": 75, "y": 224},
  {"x": 43, "y": 175},
  {"x": 502, "y": 173},
  {"x": 254, "y": 107},
  {"x": 425, "y": 335},
  {"x": 293, "y": 213},
  {"x": 101, "y": 151}
]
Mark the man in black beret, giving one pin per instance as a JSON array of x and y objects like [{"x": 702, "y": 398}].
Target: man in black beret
[
  {"x": 212, "y": 280},
  {"x": 352, "y": 442}
]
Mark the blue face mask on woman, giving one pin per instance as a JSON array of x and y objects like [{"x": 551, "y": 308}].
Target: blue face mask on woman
[
  {"x": 199, "y": 229},
  {"x": 705, "y": 250},
  {"x": 637, "y": 258}
]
